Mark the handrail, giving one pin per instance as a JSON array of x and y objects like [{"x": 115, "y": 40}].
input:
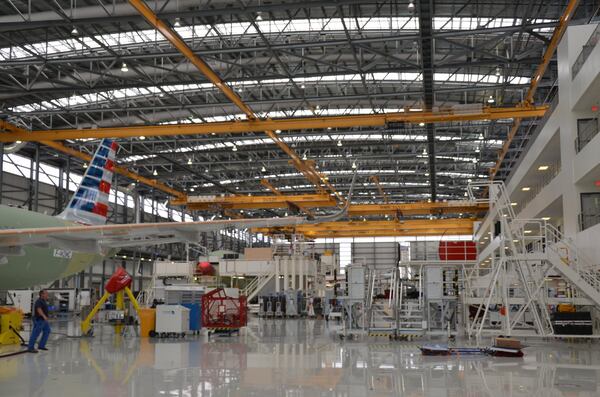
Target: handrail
[
  {"x": 588, "y": 220},
  {"x": 587, "y": 133},
  {"x": 587, "y": 49}
]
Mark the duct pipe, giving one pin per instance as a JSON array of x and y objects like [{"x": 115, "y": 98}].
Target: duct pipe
[{"x": 14, "y": 148}]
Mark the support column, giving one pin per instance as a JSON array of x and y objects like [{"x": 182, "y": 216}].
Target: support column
[
  {"x": 67, "y": 192},
  {"x": 103, "y": 277},
  {"x": 285, "y": 262},
  {"x": 137, "y": 207},
  {"x": 294, "y": 271},
  {"x": 277, "y": 273},
  {"x": 1, "y": 169},
  {"x": 36, "y": 185},
  {"x": 300, "y": 264}
]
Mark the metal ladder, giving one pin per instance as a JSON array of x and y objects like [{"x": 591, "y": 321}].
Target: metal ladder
[
  {"x": 534, "y": 257},
  {"x": 512, "y": 239},
  {"x": 382, "y": 315},
  {"x": 410, "y": 312}
]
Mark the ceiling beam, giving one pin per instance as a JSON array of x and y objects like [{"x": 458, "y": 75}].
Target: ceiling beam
[
  {"x": 213, "y": 202},
  {"x": 255, "y": 202},
  {"x": 417, "y": 227},
  {"x": 276, "y": 191},
  {"x": 171, "y": 35},
  {"x": 86, "y": 157},
  {"x": 298, "y": 123}
]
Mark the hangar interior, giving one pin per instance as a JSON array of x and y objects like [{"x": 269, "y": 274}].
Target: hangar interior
[{"x": 319, "y": 198}]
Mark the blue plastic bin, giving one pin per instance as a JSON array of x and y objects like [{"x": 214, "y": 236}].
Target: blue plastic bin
[{"x": 195, "y": 316}]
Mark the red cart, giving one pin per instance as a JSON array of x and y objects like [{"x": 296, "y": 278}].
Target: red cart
[{"x": 223, "y": 313}]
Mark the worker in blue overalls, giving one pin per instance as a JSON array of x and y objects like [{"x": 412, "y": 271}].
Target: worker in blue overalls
[{"x": 40, "y": 323}]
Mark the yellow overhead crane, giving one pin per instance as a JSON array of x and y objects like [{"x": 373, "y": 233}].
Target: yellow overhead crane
[
  {"x": 285, "y": 124},
  {"x": 413, "y": 227},
  {"x": 208, "y": 203}
]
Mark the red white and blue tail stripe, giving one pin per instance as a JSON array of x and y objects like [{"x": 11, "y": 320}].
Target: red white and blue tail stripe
[{"x": 89, "y": 204}]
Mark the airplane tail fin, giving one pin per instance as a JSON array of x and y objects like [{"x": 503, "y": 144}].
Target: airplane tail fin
[{"x": 89, "y": 204}]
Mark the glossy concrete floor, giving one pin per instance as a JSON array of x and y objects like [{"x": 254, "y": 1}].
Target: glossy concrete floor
[{"x": 290, "y": 358}]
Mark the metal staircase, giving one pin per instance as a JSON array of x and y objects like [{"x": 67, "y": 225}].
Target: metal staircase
[
  {"x": 571, "y": 264},
  {"x": 410, "y": 312},
  {"x": 382, "y": 314},
  {"x": 253, "y": 288},
  {"x": 532, "y": 249}
]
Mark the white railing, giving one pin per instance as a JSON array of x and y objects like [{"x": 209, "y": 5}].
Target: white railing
[{"x": 256, "y": 285}]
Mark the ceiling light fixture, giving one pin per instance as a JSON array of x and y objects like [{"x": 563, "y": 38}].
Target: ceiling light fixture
[
  {"x": 278, "y": 131},
  {"x": 491, "y": 99},
  {"x": 124, "y": 68},
  {"x": 545, "y": 218},
  {"x": 411, "y": 6},
  {"x": 142, "y": 137},
  {"x": 234, "y": 148},
  {"x": 339, "y": 143},
  {"x": 354, "y": 165},
  {"x": 513, "y": 204},
  {"x": 263, "y": 169},
  {"x": 303, "y": 86},
  {"x": 498, "y": 71},
  {"x": 543, "y": 167},
  {"x": 74, "y": 32},
  {"x": 84, "y": 165},
  {"x": 525, "y": 188},
  {"x": 190, "y": 161},
  {"x": 155, "y": 173},
  {"x": 177, "y": 23},
  {"x": 258, "y": 16},
  {"x": 304, "y": 157},
  {"x": 191, "y": 189},
  {"x": 421, "y": 124}
]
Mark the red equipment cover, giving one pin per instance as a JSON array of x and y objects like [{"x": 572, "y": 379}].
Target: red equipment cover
[
  {"x": 457, "y": 251},
  {"x": 222, "y": 311},
  {"x": 205, "y": 269},
  {"x": 118, "y": 281}
]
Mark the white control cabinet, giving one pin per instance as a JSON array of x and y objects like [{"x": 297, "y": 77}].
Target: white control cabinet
[
  {"x": 172, "y": 319},
  {"x": 356, "y": 281}
]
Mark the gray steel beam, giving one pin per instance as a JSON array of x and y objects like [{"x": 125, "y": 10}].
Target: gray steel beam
[{"x": 425, "y": 29}]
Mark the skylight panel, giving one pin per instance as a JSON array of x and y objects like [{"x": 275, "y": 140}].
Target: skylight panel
[
  {"x": 267, "y": 27},
  {"x": 189, "y": 88}
]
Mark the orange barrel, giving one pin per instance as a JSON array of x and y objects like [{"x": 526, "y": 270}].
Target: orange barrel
[{"x": 147, "y": 321}]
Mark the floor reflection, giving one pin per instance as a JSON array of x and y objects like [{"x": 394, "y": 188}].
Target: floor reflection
[{"x": 291, "y": 358}]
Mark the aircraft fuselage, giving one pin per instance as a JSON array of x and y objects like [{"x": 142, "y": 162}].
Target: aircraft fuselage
[{"x": 37, "y": 265}]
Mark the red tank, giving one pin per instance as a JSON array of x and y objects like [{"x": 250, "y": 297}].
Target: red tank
[{"x": 205, "y": 269}]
